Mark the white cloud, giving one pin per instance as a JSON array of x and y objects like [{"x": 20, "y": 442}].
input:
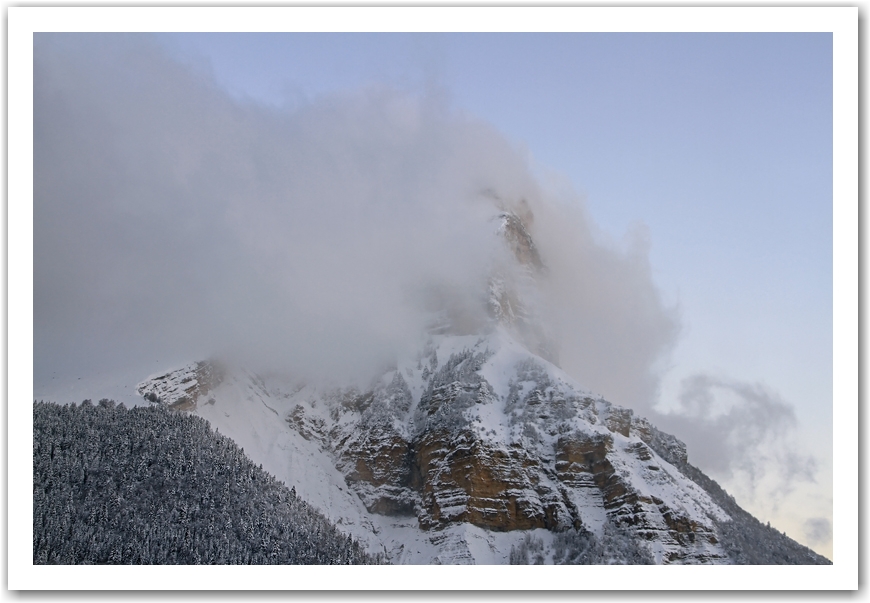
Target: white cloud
[{"x": 170, "y": 220}]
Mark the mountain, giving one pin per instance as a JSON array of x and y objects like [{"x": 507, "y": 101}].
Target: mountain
[{"x": 478, "y": 448}]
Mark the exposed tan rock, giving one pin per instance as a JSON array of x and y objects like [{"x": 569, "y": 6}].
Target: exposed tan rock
[
  {"x": 379, "y": 465},
  {"x": 582, "y": 462},
  {"x": 464, "y": 478},
  {"x": 618, "y": 420}
]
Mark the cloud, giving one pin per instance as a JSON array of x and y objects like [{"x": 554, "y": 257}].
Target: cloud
[
  {"x": 731, "y": 427},
  {"x": 818, "y": 531},
  {"x": 615, "y": 332},
  {"x": 171, "y": 222}
]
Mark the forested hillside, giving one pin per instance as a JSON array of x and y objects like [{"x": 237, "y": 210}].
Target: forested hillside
[{"x": 153, "y": 486}]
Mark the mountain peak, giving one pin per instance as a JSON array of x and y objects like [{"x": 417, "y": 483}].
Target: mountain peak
[
  {"x": 513, "y": 227},
  {"x": 515, "y": 297}
]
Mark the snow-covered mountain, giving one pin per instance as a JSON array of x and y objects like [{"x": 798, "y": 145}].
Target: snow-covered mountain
[
  {"x": 478, "y": 448},
  {"x": 462, "y": 453}
]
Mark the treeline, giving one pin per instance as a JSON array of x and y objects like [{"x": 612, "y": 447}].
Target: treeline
[{"x": 153, "y": 486}]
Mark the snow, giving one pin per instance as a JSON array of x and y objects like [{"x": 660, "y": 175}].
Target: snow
[{"x": 247, "y": 413}]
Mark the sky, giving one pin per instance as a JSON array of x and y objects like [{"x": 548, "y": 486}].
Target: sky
[{"x": 684, "y": 178}]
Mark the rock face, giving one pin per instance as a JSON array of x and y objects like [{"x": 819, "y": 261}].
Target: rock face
[
  {"x": 558, "y": 459},
  {"x": 513, "y": 288}
]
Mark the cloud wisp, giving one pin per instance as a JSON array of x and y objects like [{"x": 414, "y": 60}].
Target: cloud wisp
[
  {"x": 732, "y": 427},
  {"x": 818, "y": 530}
]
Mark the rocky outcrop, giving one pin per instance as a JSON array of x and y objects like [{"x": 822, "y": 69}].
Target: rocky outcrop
[
  {"x": 581, "y": 462},
  {"x": 184, "y": 388},
  {"x": 667, "y": 446},
  {"x": 520, "y": 241},
  {"x": 470, "y": 480},
  {"x": 513, "y": 287},
  {"x": 380, "y": 466}
]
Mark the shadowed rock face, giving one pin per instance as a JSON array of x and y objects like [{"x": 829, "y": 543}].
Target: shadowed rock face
[
  {"x": 520, "y": 241},
  {"x": 513, "y": 289},
  {"x": 380, "y": 466}
]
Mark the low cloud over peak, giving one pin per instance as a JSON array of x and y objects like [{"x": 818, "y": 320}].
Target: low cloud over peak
[{"x": 170, "y": 220}]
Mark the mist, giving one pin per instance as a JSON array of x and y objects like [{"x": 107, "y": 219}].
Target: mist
[{"x": 173, "y": 223}]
